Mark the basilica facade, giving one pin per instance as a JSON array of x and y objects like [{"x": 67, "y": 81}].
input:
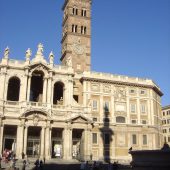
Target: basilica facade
[{"x": 68, "y": 111}]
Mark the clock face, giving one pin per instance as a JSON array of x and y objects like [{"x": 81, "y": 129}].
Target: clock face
[{"x": 78, "y": 49}]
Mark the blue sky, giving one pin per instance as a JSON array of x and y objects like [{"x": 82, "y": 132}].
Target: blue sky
[{"x": 129, "y": 37}]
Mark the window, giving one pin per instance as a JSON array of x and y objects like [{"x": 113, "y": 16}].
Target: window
[
  {"x": 142, "y": 92},
  {"x": 120, "y": 119},
  {"x": 133, "y": 108},
  {"x": 95, "y": 119},
  {"x": 143, "y": 108},
  {"x": 163, "y": 122},
  {"x": 168, "y": 121},
  {"x": 134, "y": 139},
  {"x": 83, "y": 13},
  {"x": 106, "y": 138},
  {"x": 132, "y": 91},
  {"x": 168, "y": 138},
  {"x": 94, "y": 106},
  {"x": 83, "y": 30},
  {"x": 144, "y": 122},
  {"x": 164, "y": 130},
  {"x": 144, "y": 139},
  {"x": 133, "y": 121},
  {"x": 106, "y": 106},
  {"x": 94, "y": 138},
  {"x": 75, "y": 11},
  {"x": 163, "y": 113},
  {"x": 74, "y": 28}
]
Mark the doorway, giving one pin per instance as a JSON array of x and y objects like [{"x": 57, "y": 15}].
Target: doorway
[
  {"x": 78, "y": 144},
  {"x": 33, "y": 142}
]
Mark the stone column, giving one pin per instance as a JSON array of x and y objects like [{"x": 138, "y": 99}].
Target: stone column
[
  {"x": 28, "y": 88},
  {"x": 42, "y": 143},
  {"x": 44, "y": 90},
  {"x": 67, "y": 143},
  {"x": 87, "y": 142},
  {"x": 47, "y": 142},
  {"x": 1, "y": 136},
  {"x": 138, "y": 111},
  {"x": 23, "y": 88},
  {"x": 49, "y": 97},
  {"x": 19, "y": 149},
  {"x": 2, "y": 85},
  {"x": 25, "y": 140}
]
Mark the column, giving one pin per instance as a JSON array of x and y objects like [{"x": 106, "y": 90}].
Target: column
[
  {"x": 28, "y": 88},
  {"x": 138, "y": 110},
  {"x": 47, "y": 142},
  {"x": 25, "y": 139},
  {"x": 49, "y": 91},
  {"x": 2, "y": 86},
  {"x": 1, "y": 136},
  {"x": 87, "y": 143},
  {"x": 19, "y": 149},
  {"x": 23, "y": 89},
  {"x": 44, "y": 90},
  {"x": 67, "y": 143},
  {"x": 84, "y": 94},
  {"x": 42, "y": 142}
]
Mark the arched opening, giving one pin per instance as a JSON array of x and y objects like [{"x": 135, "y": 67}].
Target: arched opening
[
  {"x": 120, "y": 119},
  {"x": 13, "y": 89},
  {"x": 36, "y": 89},
  {"x": 58, "y": 93}
]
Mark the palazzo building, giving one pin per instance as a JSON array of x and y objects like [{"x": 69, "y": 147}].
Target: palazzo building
[
  {"x": 166, "y": 123},
  {"x": 68, "y": 111}
]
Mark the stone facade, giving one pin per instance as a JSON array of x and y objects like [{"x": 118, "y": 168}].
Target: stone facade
[
  {"x": 70, "y": 112},
  {"x": 166, "y": 123}
]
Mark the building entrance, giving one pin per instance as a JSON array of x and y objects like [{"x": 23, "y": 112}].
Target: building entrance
[
  {"x": 78, "y": 144},
  {"x": 57, "y": 143},
  {"x": 33, "y": 142},
  {"x": 9, "y": 140}
]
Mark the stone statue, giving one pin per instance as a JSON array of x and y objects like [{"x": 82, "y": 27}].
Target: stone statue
[
  {"x": 69, "y": 61},
  {"x": 51, "y": 57},
  {"x": 40, "y": 49},
  {"x": 28, "y": 54},
  {"x": 6, "y": 53}
]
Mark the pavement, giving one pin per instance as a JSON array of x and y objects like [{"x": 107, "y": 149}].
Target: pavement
[{"x": 55, "y": 164}]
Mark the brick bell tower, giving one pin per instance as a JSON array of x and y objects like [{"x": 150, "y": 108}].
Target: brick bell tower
[{"x": 76, "y": 38}]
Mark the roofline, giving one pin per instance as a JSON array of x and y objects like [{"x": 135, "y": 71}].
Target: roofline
[{"x": 166, "y": 107}]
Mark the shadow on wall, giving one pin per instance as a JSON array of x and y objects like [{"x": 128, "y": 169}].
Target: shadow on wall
[{"x": 107, "y": 136}]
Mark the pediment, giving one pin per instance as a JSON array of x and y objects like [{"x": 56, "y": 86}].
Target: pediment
[
  {"x": 80, "y": 119},
  {"x": 39, "y": 67}
]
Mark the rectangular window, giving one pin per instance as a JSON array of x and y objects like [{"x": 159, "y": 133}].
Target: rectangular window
[
  {"x": 132, "y": 91},
  {"x": 133, "y": 108},
  {"x": 134, "y": 121},
  {"x": 143, "y": 108},
  {"x": 134, "y": 140},
  {"x": 144, "y": 139},
  {"x": 142, "y": 92},
  {"x": 106, "y": 106},
  {"x": 94, "y": 138},
  {"x": 106, "y": 138},
  {"x": 144, "y": 122},
  {"x": 168, "y": 138},
  {"x": 95, "y": 119},
  {"x": 94, "y": 105}
]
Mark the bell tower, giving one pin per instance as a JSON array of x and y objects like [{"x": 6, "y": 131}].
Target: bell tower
[{"x": 76, "y": 34}]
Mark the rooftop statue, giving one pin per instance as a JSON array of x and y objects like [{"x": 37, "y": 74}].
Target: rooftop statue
[
  {"x": 6, "y": 53},
  {"x": 51, "y": 57},
  {"x": 28, "y": 54},
  {"x": 40, "y": 49}
]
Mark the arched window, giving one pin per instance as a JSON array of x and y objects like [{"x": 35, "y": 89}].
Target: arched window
[
  {"x": 74, "y": 28},
  {"x": 75, "y": 11},
  {"x": 36, "y": 89},
  {"x": 120, "y": 119},
  {"x": 58, "y": 93},
  {"x": 13, "y": 89}
]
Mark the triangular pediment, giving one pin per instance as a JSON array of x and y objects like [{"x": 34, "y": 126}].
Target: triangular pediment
[
  {"x": 80, "y": 119},
  {"x": 39, "y": 66}
]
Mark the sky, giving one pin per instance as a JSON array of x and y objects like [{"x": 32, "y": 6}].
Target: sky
[{"x": 129, "y": 37}]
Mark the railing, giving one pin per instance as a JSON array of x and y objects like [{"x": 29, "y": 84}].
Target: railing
[
  {"x": 14, "y": 103},
  {"x": 37, "y": 104}
]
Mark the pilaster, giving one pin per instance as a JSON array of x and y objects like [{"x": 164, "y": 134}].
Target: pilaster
[
  {"x": 25, "y": 139},
  {"x": 28, "y": 88},
  {"x": 1, "y": 135},
  {"x": 20, "y": 131},
  {"x": 47, "y": 142},
  {"x": 42, "y": 142},
  {"x": 44, "y": 90}
]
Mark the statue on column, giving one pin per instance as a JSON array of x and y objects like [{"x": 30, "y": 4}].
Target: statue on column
[
  {"x": 69, "y": 61},
  {"x": 51, "y": 57},
  {"x": 28, "y": 54},
  {"x": 6, "y": 53}
]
